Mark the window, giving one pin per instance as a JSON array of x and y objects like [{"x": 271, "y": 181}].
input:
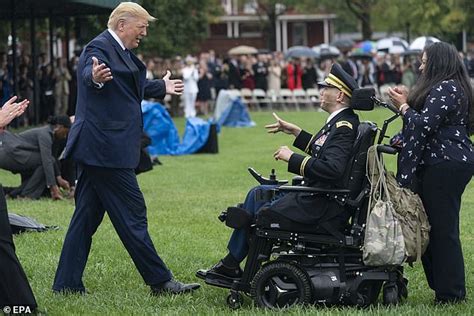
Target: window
[
  {"x": 218, "y": 30},
  {"x": 299, "y": 34},
  {"x": 250, "y": 29}
]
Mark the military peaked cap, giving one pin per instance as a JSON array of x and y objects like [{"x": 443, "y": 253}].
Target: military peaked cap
[{"x": 340, "y": 79}]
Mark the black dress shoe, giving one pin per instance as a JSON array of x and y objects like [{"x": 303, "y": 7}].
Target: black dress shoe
[
  {"x": 173, "y": 287},
  {"x": 220, "y": 270}
]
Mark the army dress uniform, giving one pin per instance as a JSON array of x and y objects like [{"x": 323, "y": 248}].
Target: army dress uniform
[{"x": 328, "y": 153}]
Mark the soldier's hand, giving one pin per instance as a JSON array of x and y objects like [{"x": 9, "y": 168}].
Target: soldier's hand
[
  {"x": 100, "y": 72},
  {"x": 283, "y": 153},
  {"x": 282, "y": 126}
]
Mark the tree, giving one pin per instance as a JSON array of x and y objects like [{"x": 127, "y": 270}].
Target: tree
[
  {"x": 362, "y": 10},
  {"x": 180, "y": 25}
]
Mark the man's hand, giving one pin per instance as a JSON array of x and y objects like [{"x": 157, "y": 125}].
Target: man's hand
[
  {"x": 63, "y": 183},
  {"x": 283, "y": 126},
  {"x": 12, "y": 109},
  {"x": 55, "y": 193},
  {"x": 283, "y": 153},
  {"x": 100, "y": 72},
  {"x": 174, "y": 86}
]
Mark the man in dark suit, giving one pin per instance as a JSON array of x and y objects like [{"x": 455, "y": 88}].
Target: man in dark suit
[
  {"x": 111, "y": 87},
  {"x": 29, "y": 153},
  {"x": 323, "y": 165}
]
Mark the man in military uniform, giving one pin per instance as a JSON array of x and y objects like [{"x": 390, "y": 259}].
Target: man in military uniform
[{"x": 327, "y": 154}]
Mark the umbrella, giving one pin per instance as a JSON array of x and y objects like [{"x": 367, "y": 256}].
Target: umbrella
[
  {"x": 392, "y": 45},
  {"x": 410, "y": 52},
  {"x": 361, "y": 55},
  {"x": 365, "y": 47},
  {"x": 300, "y": 51},
  {"x": 326, "y": 51},
  {"x": 343, "y": 44},
  {"x": 242, "y": 50},
  {"x": 420, "y": 42}
]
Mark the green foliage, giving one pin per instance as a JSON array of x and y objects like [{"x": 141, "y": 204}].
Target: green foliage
[
  {"x": 181, "y": 25},
  {"x": 184, "y": 197}
]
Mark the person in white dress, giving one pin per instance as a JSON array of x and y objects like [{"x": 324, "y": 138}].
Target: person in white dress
[{"x": 190, "y": 79}]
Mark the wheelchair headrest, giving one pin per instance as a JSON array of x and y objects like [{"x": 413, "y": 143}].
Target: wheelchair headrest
[{"x": 362, "y": 99}]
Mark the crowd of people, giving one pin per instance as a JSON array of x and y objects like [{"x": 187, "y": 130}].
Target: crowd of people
[{"x": 206, "y": 74}]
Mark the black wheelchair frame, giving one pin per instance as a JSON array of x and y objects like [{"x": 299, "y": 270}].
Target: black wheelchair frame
[{"x": 314, "y": 268}]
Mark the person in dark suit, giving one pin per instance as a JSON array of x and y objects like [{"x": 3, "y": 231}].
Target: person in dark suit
[
  {"x": 438, "y": 156},
  {"x": 15, "y": 289},
  {"x": 108, "y": 115},
  {"x": 326, "y": 155},
  {"x": 30, "y": 154}
]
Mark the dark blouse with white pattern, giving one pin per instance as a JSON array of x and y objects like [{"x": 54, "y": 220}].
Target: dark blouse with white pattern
[{"x": 437, "y": 133}]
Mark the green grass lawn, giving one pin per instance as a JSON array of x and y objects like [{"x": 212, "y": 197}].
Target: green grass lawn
[{"x": 184, "y": 197}]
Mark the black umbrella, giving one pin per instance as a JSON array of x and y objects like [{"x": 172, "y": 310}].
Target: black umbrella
[
  {"x": 343, "y": 44},
  {"x": 300, "y": 51},
  {"x": 20, "y": 224},
  {"x": 361, "y": 55}
]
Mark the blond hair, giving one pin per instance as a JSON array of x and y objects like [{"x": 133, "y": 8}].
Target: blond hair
[{"x": 127, "y": 10}]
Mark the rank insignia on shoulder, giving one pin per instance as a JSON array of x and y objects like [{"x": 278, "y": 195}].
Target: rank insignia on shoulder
[{"x": 343, "y": 123}]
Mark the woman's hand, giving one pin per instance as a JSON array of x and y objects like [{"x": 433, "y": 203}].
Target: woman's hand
[
  {"x": 398, "y": 95},
  {"x": 11, "y": 110},
  {"x": 283, "y": 126},
  {"x": 283, "y": 153}
]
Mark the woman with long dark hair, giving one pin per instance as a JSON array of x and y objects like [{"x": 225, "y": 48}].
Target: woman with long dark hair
[
  {"x": 438, "y": 156},
  {"x": 14, "y": 287}
]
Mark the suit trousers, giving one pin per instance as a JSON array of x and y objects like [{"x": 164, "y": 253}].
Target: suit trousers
[
  {"x": 442, "y": 186},
  {"x": 238, "y": 243},
  {"x": 14, "y": 287},
  {"x": 115, "y": 191},
  {"x": 33, "y": 178}
]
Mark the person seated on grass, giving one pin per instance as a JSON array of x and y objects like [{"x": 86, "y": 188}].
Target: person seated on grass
[
  {"x": 327, "y": 155},
  {"x": 30, "y": 153}
]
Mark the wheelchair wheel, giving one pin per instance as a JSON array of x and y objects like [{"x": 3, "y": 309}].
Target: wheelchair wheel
[
  {"x": 390, "y": 294},
  {"x": 368, "y": 293},
  {"x": 280, "y": 284},
  {"x": 235, "y": 300}
]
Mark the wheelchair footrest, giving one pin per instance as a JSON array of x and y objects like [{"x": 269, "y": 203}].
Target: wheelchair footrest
[{"x": 219, "y": 280}]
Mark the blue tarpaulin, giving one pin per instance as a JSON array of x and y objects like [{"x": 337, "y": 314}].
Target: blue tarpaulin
[
  {"x": 158, "y": 124},
  {"x": 231, "y": 111}
]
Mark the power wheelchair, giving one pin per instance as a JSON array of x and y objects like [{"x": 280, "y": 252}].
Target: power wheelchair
[{"x": 285, "y": 268}]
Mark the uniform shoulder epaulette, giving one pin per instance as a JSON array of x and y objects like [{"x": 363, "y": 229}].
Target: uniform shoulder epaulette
[{"x": 343, "y": 123}]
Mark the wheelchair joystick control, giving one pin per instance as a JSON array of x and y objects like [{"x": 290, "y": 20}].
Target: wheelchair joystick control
[
  {"x": 272, "y": 179},
  {"x": 273, "y": 175}
]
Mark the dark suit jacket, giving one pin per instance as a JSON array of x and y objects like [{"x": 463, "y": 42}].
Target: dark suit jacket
[
  {"x": 108, "y": 125},
  {"x": 21, "y": 147},
  {"x": 329, "y": 152}
]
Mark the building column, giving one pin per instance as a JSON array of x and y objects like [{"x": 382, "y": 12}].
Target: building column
[
  {"x": 326, "y": 31},
  {"x": 285, "y": 36},
  {"x": 229, "y": 29},
  {"x": 278, "y": 35},
  {"x": 236, "y": 29}
]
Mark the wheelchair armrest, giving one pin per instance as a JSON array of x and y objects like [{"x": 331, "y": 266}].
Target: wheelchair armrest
[
  {"x": 386, "y": 149},
  {"x": 298, "y": 188},
  {"x": 297, "y": 180}
]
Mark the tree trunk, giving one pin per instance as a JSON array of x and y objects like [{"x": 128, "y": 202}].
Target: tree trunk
[{"x": 366, "y": 26}]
